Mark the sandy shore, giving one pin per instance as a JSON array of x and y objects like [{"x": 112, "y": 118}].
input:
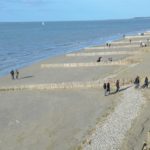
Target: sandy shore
[{"x": 78, "y": 117}]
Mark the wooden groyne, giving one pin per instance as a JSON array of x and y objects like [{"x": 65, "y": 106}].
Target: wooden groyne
[
  {"x": 103, "y": 53},
  {"x": 52, "y": 86},
  {"x": 92, "y": 64},
  {"x": 66, "y": 85}
]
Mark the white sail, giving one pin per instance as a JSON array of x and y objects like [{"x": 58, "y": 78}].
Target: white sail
[{"x": 43, "y": 23}]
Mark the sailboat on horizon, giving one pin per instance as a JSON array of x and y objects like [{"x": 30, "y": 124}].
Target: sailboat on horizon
[{"x": 43, "y": 23}]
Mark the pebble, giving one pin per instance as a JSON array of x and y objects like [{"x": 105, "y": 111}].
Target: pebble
[{"x": 110, "y": 134}]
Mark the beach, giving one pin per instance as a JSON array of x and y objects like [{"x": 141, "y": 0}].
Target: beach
[{"x": 59, "y": 103}]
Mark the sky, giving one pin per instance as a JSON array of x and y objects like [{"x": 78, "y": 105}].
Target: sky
[{"x": 69, "y": 10}]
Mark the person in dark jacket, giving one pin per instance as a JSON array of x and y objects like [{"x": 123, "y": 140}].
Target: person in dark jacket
[
  {"x": 108, "y": 88},
  {"x": 105, "y": 88},
  {"x": 137, "y": 82},
  {"x": 146, "y": 82},
  {"x": 12, "y": 74},
  {"x": 117, "y": 86}
]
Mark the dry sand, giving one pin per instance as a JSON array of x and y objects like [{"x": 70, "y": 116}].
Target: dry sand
[
  {"x": 71, "y": 119},
  {"x": 51, "y": 120}
]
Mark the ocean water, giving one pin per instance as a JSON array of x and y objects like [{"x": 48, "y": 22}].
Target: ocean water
[{"x": 22, "y": 44}]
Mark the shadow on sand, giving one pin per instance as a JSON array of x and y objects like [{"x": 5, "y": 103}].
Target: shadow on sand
[
  {"x": 26, "y": 77},
  {"x": 123, "y": 89}
]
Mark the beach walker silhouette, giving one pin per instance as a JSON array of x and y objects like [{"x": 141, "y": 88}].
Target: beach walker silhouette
[
  {"x": 137, "y": 82},
  {"x": 117, "y": 86},
  {"x": 17, "y": 74},
  {"x": 105, "y": 89},
  {"x": 108, "y": 88},
  {"x": 146, "y": 82},
  {"x": 12, "y": 73}
]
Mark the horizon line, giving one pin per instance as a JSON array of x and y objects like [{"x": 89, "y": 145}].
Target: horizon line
[{"x": 26, "y": 21}]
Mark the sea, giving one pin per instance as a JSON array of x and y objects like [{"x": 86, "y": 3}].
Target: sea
[{"x": 25, "y": 43}]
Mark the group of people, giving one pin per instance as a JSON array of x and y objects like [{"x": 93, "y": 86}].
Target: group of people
[
  {"x": 142, "y": 44},
  {"x": 14, "y": 74},
  {"x": 106, "y": 86},
  {"x": 137, "y": 82},
  {"x": 108, "y": 44}
]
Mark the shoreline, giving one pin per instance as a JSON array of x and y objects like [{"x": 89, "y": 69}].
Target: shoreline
[
  {"x": 62, "y": 118},
  {"x": 114, "y": 38}
]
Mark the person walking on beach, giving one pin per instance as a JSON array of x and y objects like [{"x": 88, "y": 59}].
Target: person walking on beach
[
  {"x": 108, "y": 88},
  {"x": 107, "y": 44},
  {"x": 105, "y": 89},
  {"x": 17, "y": 74},
  {"x": 146, "y": 82},
  {"x": 117, "y": 86},
  {"x": 12, "y": 74},
  {"x": 137, "y": 82}
]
